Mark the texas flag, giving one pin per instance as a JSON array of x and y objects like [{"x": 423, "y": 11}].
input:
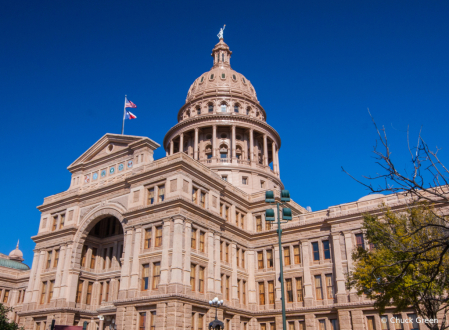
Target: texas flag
[
  {"x": 130, "y": 115},
  {"x": 129, "y": 104}
]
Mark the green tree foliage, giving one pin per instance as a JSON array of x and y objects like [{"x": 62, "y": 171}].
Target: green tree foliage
[
  {"x": 4, "y": 322},
  {"x": 408, "y": 263}
]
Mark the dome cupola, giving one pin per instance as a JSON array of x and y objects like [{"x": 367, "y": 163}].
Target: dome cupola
[{"x": 16, "y": 254}]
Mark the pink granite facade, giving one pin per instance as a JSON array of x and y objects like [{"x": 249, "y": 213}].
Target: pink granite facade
[{"x": 145, "y": 243}]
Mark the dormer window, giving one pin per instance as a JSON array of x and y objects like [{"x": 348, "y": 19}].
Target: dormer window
[
  {"x": 212, "y": 76},
  {"x": 202, "y": 78},
  {"x": 244, "y": 81},
  {"x": 222, "y": 57},
  {"x": 234, "y": 77},
  {"x": 223, "y": 75}
]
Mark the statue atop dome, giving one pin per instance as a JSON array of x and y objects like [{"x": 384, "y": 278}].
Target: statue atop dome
[{"x": 220, "y": 34}]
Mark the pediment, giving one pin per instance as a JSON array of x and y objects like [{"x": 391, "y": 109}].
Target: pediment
[{"x": 109, "y": 145}]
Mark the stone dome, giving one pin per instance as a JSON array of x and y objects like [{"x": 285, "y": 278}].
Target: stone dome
[
  {"x": 222, "y": 78},
  {"x": 16, "y": 254}
]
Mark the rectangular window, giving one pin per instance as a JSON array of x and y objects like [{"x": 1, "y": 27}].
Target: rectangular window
[
  {"x": 271, "y": 292},
  {"x": 6, "y": 296},
  {"x": 83, "y": 256},
  {"x": 268, "y": 225},
  {"x": 79, "y": 291},
  {"x": 202, "y": 241},
  {"x": 106, "y": 298},
  {"x": 55, "y": 223},
  {"x": 200, "y": 321},
  {"x": 258, "y": 223},
  {"x": 242, "y": 222},
  {"x": 296, "y": 255},
  {"x": 221, "y": 210},
  {"x": 192, "y": 276},
  {"x": 245, "y": 180},
  {"x": 326, "y": 250},
  {"x": 201, "y": 280},
  {"x": 221, "y": 251},
  {"x": 151, "y": 196},
  {"x": 62, "y": 221},
  {"x": 161, "y": 193},
  {"x": 227, "y": 252},
  {"x": 49, "y": 253},
  {"x": 101, "y": 292},
  {"x": 193, "y": 239},
  {"x": 263, "y": 326},
  {"x": 360, "y": 242},
  {"x": 110, "y": 256},
  {"x": 370, "y": 323},
  {"x": 289, "y": 289},
  {"x": 55, "y": 262},
  {"x": 291, "y": 326},
  {"x": 302, "y": 325},
  {"x": 299, "y": 289},
  {"x": 261, "y": 293},
  {"x": 318, "y": 288},
  {"x": 158, "y": 241},
  {"x": 203, "y": 199},
  {"x": 93, "y": 258},
  {"x": 89, "y": 293},
  {"x": 272, "y": 326},
  {"x": 244, "y": 292},
  {"x": 194, "y": 195},
  {"x": 316, "y": 251},
  {"x": 142, "y": 321},
  {"x": 334, "y": 324},
  {"x": 413, "y": 325},
  {"x": 287, "y": 256},
  {"x": 243, "y": 259},
  {"x": 156, "y": 274},
  {"x": 145, "y": 276},
  {"x": 153, "y": 321},
  {"x": 227, "y": 287},
  {"x": 238, "y": 257},
  {"x": 384, "y": 322},
  {"x": 50, "y": 291},
  {"x": 105, "y": 256},
  {"x": 19, "y": 296},
  {"x": 227, "y": 213},
  {"x": 322, "y": 324},
  {"x": 269, "y": 258},
  {"x": 330, "y": 290},
  {"x": 398, "y": 322},
  {"x": 148, "y": 234},
  {"x": 260, "y": 260},
  {"x": 38, "y": 326}
]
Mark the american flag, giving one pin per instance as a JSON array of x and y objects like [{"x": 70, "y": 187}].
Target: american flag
[{"x": 129, "y": 104}]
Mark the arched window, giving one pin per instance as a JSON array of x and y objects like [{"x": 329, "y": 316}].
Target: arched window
[
  {"x": 236, "y": 108},
  {"x": 208, "y": 151},
  {"x": 211, "y": 108},
  {"x": 223, "y": 108},
  {"x": 223, "y": 151},
  {"x": 238, "y": 152},
  {"x": 222, "y": 57},
  {"x": 198, "y": 110},
  {"x": 248, "y": 110}
]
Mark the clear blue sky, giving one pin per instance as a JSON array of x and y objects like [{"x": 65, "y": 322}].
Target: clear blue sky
[{"x": 317, "y": 66}]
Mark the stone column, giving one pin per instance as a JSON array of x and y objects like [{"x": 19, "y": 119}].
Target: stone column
[
  {"x": 273, "y": 155},
  {"x": 171, "y": 147},
  {"x": 59, "y": 271},
  {"x": 214, "y": 141},
  {"x": 252, "y": 298},
  {"x": 210, "y": 266},
  {"x": 34, "y": 267},
  {"x": 308, "y": 293},
  {"x": 195, "y": 151},
  {"x": 134, "y": 279},
  {"x": 165, "y": 248},
  {"x": 251, "y": 145},
  {"x": 233, "y": 141},
  {"x": 124, "y": 280},
  {"x": 101, "y": 327},
  {"x": 277, "y": 162},
  {"x": 176, "y": 260},
  {"x": 234, "y": 295},
  {"x": 349, "y": 247},
  {"x": 37, "y": 280},
  {"x": 310, "y": 322},
  {"x": 338, "y": 269},
  {"x": 217, "y": 263},
  {"x": 114, "y": 261},
  {"x": 265, "y": 150},
  {"x": 181, "y": 142},
  {"x": 344, "y": 319},
  {"x": 187, "y": 251},
  {"x": 63, "y": 293}
]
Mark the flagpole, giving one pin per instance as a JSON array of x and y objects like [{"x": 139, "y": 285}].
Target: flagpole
[{"x": 124, "y": 114}]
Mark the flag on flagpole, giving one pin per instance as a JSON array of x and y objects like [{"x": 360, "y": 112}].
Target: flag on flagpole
[
  {"x": 129, "y": 104},
  {"x": 130, "y": 115}
]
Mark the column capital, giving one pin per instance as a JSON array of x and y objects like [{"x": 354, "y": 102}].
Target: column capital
[
  {"x": 188, "y": 221},
  {"x": 166, "y": 221},
  {"x": 197, "y": 129},
  {"x": 178, "y": 217}
]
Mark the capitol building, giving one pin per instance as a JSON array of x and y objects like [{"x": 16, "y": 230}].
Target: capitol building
[{"x": 142, "y": 244}]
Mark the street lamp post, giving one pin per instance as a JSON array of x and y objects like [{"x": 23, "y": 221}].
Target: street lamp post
[
  {"x": 216, "y": 324},
  {"x": 287, "y": 216}
]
